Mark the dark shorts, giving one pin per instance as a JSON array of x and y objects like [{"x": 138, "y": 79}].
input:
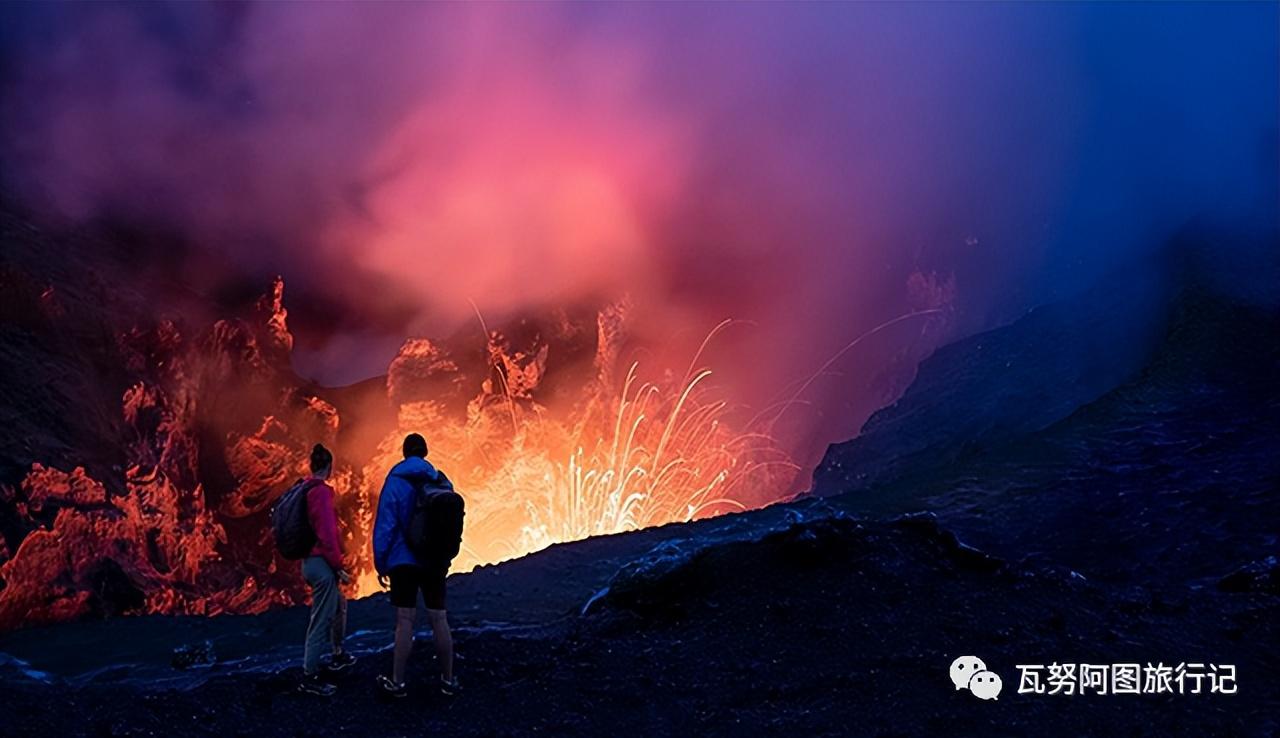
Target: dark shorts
[{"x": 407, "y": 580}]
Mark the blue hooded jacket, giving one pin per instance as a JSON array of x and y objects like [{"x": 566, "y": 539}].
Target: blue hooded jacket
[{"x": 394, "y": 505}]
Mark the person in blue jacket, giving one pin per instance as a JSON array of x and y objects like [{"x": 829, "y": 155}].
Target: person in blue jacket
[{"x": 401, "y": 571}]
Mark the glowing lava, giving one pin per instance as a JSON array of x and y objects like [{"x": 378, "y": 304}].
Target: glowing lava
[{"x": 627, "y": 455}]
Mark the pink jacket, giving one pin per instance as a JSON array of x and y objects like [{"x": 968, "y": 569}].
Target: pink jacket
[{"x": 324, "y": 521}]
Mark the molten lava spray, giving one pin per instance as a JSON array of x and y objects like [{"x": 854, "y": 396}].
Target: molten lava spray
[{"x": 627, "y": 454}]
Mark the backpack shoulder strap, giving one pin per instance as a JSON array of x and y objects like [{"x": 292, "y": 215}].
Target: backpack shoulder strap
[{"x": 304, "y": 488}]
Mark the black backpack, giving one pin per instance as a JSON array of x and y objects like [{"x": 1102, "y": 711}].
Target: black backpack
[
  {"x": 434, "y": 532},
  {"x": 290, "y": 524}
]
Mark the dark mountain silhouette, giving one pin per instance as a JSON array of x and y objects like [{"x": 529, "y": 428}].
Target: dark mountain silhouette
[{"x": 1129, "y": 432}]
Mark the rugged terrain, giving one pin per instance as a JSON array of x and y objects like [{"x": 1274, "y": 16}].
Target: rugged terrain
[
  {"x": 796, "y": 618},
  {"x": 152, "y": 418},
  {"x": 1094, "y": 483},
  {"x": 1164, "y": 467}
]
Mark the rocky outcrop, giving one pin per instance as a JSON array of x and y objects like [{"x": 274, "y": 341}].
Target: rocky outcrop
[
  {"x": 50, "y": 488},
  {"x": 422, "y": 370},
  {"x": 261, "y": 464},
  {"x": 988, "y": 388},
  {"x": 215, "y": 426},
  {"x": 274, "y": 335},
  {"x": 104, "y": 554}
]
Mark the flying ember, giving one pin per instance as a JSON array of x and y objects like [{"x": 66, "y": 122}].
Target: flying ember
[{"x": 627, "y": 454}]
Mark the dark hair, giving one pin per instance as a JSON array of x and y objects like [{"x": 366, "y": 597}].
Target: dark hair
[
  {"x": 321, "y": 458},
  {"x": 415, "y": 445}
]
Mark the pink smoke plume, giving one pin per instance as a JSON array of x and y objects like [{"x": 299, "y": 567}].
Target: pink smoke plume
[{"x": 787, "y": 166}]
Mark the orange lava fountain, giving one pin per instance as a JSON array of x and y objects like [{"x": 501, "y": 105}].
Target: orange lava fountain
[
  {"x": 629, "y": 455},
  {"x": 557, "y": 440}
]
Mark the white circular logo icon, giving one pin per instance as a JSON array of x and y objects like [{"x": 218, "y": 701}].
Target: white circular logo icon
[
  {"x": 971, "y": 673},
  {"x": 985, "y": 685},
  {"x": 963, "y": 669}
]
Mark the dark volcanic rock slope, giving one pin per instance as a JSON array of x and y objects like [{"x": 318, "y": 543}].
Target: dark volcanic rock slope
[
  {"x": 751, "y": 625},
  {"x": 1168, "y": 475}
]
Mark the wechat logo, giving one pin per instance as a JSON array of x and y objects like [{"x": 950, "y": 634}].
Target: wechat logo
[{"x": 970, "y": 672}]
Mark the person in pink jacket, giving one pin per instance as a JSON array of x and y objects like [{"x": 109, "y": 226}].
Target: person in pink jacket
[{"x": 323, "y": 570}]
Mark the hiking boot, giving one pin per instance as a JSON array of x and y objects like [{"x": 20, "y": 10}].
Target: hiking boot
[
  {"x": 339, "y": 661},
  {"x": 313, "y": 684},
  {"x": 450, "y": 688},
  {"x": 389, "y": 687}
]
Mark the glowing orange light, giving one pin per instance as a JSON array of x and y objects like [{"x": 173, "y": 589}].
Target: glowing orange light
[{"x": 627, "y": 457}]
